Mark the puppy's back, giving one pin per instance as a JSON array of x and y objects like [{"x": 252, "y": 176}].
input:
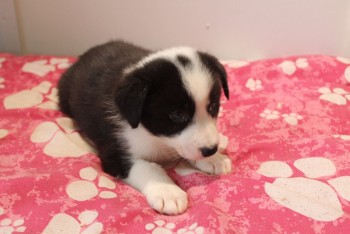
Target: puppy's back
[{"x": 97, "y": 63}]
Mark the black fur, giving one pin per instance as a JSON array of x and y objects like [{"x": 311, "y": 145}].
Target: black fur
[
  {"x": 152, "y": 94},
  {"x": 83, "y": 91},
  {"x": 216, "y": 69},
  {"x": 184, "y": 61}
]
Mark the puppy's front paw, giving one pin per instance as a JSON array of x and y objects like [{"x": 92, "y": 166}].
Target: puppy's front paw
[
  {"x": 215, "y": 165},
  {"x": 166, "y": 198}
]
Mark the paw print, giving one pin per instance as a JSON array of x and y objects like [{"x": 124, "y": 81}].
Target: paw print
[
  {"x": 254, "y": 85},
  {"x": 307, "y": 195},
  {"x": 85, "y": 188},
  {"x": 160, "y": 227},
  {"x": 343, "y": 137},
  {"x": 343, "y": 60},
  {"x": 43, "y": 67},
  {"x": 193, "y": 229},
  {"x": 1, "y": 61},
  {"x": 63, "y": 223},
  {"x": 270, "y": 114},
  {"x": 289, "y": 67},
  {"x": 8, "y": 226},
  {"x": 347, "y": 74},
  {"x": 337, "y": 96},
  {"x": 61, "y": 139},
  {"x": 3, "y": 133},
  {"x": 292, "y": 118},
  {"x": 347, "y": 70},
  {"x": 34, "y": 97},
  {"x": 2, "y": 81}
]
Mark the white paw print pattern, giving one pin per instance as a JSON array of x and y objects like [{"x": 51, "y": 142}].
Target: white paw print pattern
[
  {"x": 347, "y": 70},
  {"x": 343, "y": 137},
  {"x": 193, "y": 229},
  {"x": 63, "y": 223},
  {"x": 38, "y": 96},
  {"x": 337, "y": 96},
  {"x": 160, "y": 227},
  {"x": 43, "y": 67},
  {"x": 8, "y": 226},
  {"x": 291, "y": 118},
  {"x": 1, "y": 61},
  {"x": 2, "y": 81},
  {"x": 254, "y": 84},
  {"x": 270, "y": 114},
  {"x": 61, "y": 139},
  {"x": 289, "y": 67},
  {"x": 3, "y": 133},
  {"x": 306, "y": 195},
  {"x": 86, "y": 189}
]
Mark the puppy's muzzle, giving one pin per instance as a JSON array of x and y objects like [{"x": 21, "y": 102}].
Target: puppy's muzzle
[{"x": 209, "y": 151}]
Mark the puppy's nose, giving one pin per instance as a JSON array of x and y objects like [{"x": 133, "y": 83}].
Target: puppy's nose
[{"x": 206, "y": 152}]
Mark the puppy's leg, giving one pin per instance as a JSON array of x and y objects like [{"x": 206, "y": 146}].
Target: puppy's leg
[
  {"x": 215, "y": 165},
  {"x": 161, "y": 192}
]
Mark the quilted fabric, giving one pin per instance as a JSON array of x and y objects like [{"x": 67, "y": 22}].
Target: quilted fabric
[{"x": 287, "y": 125}]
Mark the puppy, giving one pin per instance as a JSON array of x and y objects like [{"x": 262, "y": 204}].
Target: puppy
[{"x": 140, "y": 108}]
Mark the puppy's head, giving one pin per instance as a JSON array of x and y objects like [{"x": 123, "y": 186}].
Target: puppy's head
[{"x": 175, "y": 95}]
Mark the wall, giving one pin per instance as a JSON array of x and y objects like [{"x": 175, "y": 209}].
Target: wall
[
  {"x": 232, "y": 29},
  {"x": 9, "y": 38}
]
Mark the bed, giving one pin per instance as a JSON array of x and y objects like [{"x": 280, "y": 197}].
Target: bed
[{"x": 286, "y": 128}]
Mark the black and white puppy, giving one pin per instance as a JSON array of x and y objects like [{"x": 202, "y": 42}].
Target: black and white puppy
[{"x": 140, "y": 108}]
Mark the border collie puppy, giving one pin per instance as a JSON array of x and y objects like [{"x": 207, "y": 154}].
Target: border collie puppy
[{"x": 141, "y": 108}]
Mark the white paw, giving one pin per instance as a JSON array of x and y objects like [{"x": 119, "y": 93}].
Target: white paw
[
  {"x": 214, "y": 165},
  {"x": 166, "y": 198},
  {"x": 307, "y": 195}
]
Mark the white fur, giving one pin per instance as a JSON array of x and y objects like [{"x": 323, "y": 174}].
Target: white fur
[{"x": 161, "y": 192}]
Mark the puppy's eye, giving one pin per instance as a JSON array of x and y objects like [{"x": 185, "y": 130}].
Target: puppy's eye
[
  {"x": 179, "y": 116},
  {"x": 213, "y": 109}
]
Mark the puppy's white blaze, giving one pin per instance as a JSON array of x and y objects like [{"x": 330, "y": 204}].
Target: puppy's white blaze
[
  {"x": 168, "y": 54},
  {"x": 197, "y": 81}
]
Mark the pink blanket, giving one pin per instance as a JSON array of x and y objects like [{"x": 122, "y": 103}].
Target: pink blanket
[{"x": 287, "y": 125}]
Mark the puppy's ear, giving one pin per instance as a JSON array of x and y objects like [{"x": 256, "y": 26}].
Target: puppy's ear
[
  {"x": 130, "y": 98},
  {"x": 216, "y": 69}
]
